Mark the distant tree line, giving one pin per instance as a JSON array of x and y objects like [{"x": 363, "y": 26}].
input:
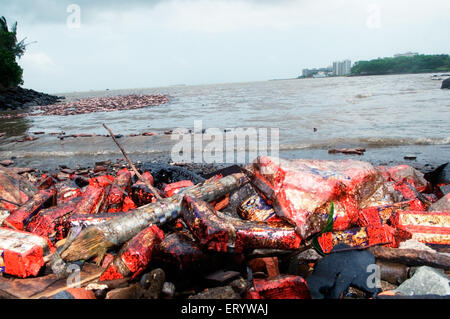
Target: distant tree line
[
  {"x": 403, "y": 64},
  {"x": 10, "y": 49}
]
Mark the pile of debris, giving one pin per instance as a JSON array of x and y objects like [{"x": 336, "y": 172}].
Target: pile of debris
[
  {"x": 92, "y": 105},
  {"x": 275, "y": 229}
]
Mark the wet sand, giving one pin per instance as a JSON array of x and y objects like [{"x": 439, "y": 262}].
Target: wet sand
[{"x": 428, "y": 157}]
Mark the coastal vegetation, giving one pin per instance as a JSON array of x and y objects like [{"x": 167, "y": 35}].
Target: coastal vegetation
[
  {"x": 403, "y": 64},
  {"x": 10, "y": 49}
]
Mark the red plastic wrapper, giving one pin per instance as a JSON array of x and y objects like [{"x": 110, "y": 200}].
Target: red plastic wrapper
[
  {"x": 106, "y": 260},
  {"x": 140, "y": 193},
  {"x": 302, "y": 190},
  {"x": 45, "y": 182},
  {"x": 221, "y": 233},
  {"x": 21, "y": 216},
  {"x": 51, "y": 222},
  {"x": 175, "y": 188},
  {"x": 135, "y": 255},
  {"x": 260, "y": 235},
  {"x": 268, "y": 265},
  {"x": 101, "y": 181},
  {"x": 405, "y": 173},
  {"x": 211, "y": 231},
  {"x": 280, "y": 287},
  {"x": 407, "y": 190},
  {"x": 67, "y": 191},
  {"x": 15, "y": 189},
  {"x": 128, "y": 204},
  {"x": 91, "y": 200},
  {"x": 357, "y": 238},
  {"x": 118, "y": 191},
  {"x": 380, "y": 215},
  {"x": 21, "y": 253},
  {"x": 426, "y": 227},
  {"x": 222, "y": 203}
]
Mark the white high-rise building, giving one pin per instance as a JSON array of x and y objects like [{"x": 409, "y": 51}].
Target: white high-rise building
[{"x": 342, "y": 67}]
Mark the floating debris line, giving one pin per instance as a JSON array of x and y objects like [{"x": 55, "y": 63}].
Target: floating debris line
[{"x": 92, "y": 105}]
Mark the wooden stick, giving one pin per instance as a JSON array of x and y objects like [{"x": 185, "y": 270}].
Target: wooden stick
[
  {"x": 411, "y": 257},
  {"x": 8, "y": 201},
  {"x": 155, "y": 192},
  {"x": 51, "y": 292}
]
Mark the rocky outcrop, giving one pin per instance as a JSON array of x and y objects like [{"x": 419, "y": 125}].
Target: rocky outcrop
[
  {"x": 19, "y": 98},
  {"x": 446, "y": 84}
]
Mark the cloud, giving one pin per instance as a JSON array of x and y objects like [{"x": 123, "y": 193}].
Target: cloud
[
  {"x": 38, "y": 60},
  {"x": 55, "y": 11}
]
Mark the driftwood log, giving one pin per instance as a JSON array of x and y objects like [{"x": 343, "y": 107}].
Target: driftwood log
[{"x": 411, "y": 257}]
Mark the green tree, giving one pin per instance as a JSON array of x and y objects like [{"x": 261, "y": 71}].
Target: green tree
[
  {"x": 402, "y": 64},
  {"x": 10, "y": 49}
]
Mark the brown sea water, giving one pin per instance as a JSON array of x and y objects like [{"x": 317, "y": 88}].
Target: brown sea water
[{"x": 391, "y": 116}]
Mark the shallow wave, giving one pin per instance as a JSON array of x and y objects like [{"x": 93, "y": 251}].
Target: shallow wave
[
  {"x": 368, "y": 142},
  {"x": 143, "y": 149},
  {"x": 29, "y": 154}
]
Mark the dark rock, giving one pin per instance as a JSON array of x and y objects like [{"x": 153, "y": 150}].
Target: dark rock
[
  {"x": 299, "y": 263},
  {"x": 20, "y": 98},
  {"x": 425, "y": 281},
  {"x": 354, "y": 293},
  {"x": 131, "y": 292},
  {"x": 442, "y": 205},
  {"x": 222, "y": 277},
  {"x": 440, "y": 175},
  {"x": 6, "y": 163},
  {"x": 100, "y": 168},
  {"x": 234, "y": 169},
  {"x": 165, "y": 173},
  {"x": 239, "y": 285},
  {"x": 410, "y": 157},
  {"x": 446, "y": 84},
  {"x": 153, "y": 282},
  {"x": 336, "y": 272},
  {"x": 63, "y": 295}
]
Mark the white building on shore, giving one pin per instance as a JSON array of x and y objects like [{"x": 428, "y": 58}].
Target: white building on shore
[{"x": 341, "y": 68}]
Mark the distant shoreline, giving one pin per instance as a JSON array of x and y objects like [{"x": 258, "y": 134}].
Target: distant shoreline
[
  {"x": 441, "y": 73},
  {"x": 93, "y": 92}
]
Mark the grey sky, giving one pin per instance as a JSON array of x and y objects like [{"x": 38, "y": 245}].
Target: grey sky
[{"x": 131, "y": 44}]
